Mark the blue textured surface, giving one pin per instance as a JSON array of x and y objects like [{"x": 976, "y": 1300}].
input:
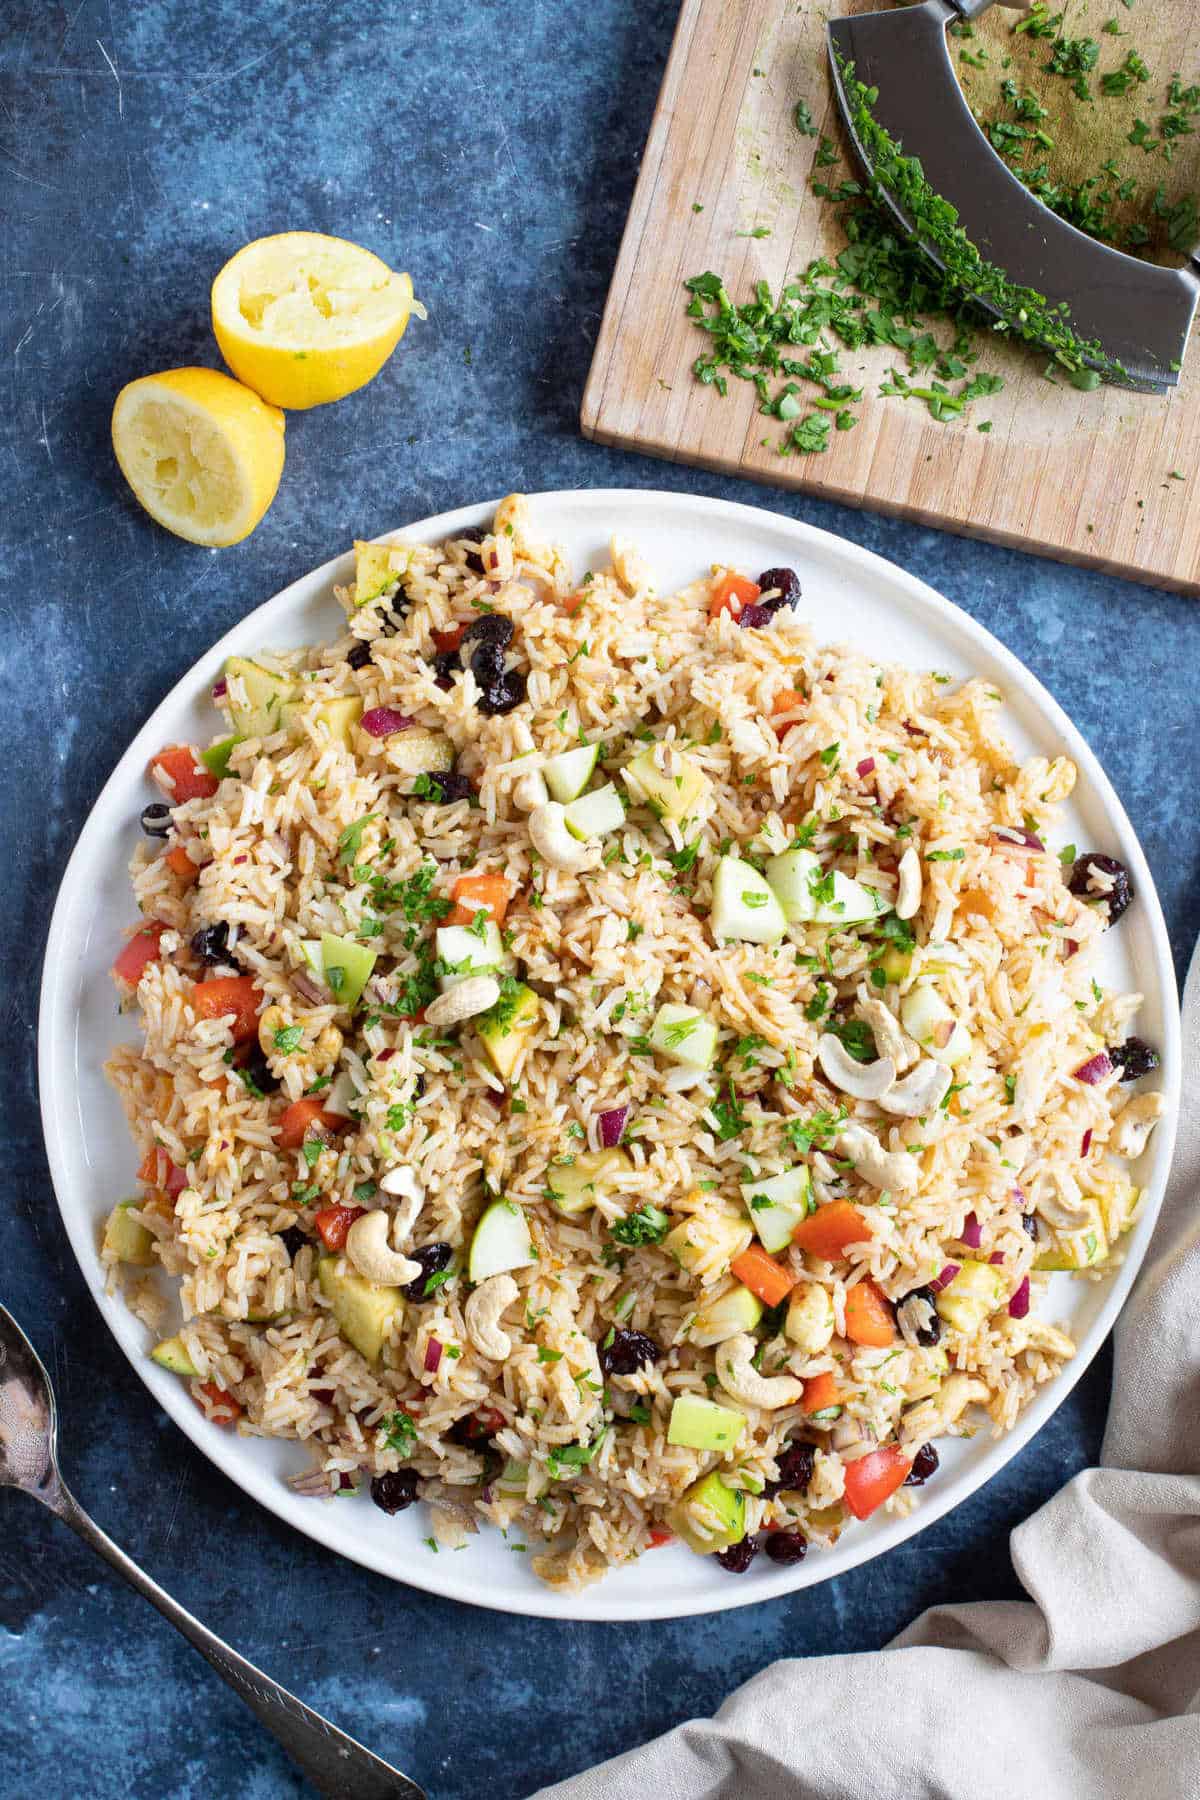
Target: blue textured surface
[{"x": 491, "y": 148}]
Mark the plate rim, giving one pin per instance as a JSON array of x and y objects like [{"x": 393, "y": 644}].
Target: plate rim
[{"x": 590, "y": 1605}]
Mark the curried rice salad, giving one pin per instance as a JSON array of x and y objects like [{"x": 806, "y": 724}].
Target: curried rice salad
[{"x": 612, "y": 1066}]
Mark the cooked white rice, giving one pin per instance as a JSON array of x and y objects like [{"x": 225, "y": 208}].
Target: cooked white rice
[{"x": 308, "y": 835}]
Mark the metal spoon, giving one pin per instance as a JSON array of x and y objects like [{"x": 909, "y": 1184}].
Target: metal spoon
[{"x": 336, "y": 1764}]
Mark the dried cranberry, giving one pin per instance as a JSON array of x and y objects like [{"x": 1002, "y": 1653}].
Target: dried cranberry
[
  {"x": 433, "y": 1258},
  {"x": 293, "y": 1241},
  {"x": 474, "y": 534},
  {"x": 447, "y": 785},
  {"x": 446, "y": 665},
  {"x": 489, "y": 628},
  {"x": 624, "y": 1352},
  {"x": 1115, "y": 893},
  {"x": 786, "y": 1546},
  {"x": 359, "y": 656},
  {"x": 156, "y": 819},
  {"x": 918, "y": 1310},
  {"x": 257, "y": 1070},
  {"x": 925, "y": 1464},
  {"x": 795, "y": 1462},
  {"x": 738, "y": 1557},
  {"x": 487, "y": 663},
  {"x": 1135, "y": 1058},
  {"x": 754, "y": 617},
  {"x": 395, "y": 1492},
  {"x": 211, "y": 945},
  {"x": 475, "y": 1429},
  {"x": 787, "y": 584},
  {"x": 503, "y": 695}
]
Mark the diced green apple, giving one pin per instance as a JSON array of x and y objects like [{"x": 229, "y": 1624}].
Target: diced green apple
[
  {"x": 973, "y": 1295},
  {"x": 777, "y": 1205},
  {"x": 738, "y": 1310},
  {"x": 346, "y": 967},
  {"x": 744, "y": 908},
  {"x": 709, "y": 1516},
  {"x": 574, "y": 1185},
  {"x": 501, "y": 1242},
  {"x": 336, "y": 718},
  {"x": 699, "y": 1424},
  {"x": 216, "y": 757},
  {"x": 708, "y": 1243},
  {"x": 364, "y": 1310},
  {"x": 127, "y": 1239},
  {"x": 467, "y": 952},
  {"x": 508, "y": 1027},
  {"x": 172, "y": 1354},
  {"x": 674, "y": 792},
  {"x": 262, "y": 694},
  {"x": 594, "y": 815},
  {"x": 791, "y": 877},
  {"x": 684, "y": 1034},
  {"x": 567, "y": 774}
]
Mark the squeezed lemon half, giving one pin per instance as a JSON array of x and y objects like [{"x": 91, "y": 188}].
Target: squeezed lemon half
[
  {"x": 304, "y": 319},
  {"x": 201, "y": 452}
]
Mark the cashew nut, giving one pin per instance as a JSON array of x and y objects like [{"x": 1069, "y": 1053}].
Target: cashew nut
[
  {"x": 1135, "y": 1122},
  {"x": 1034, "y": 1334},
  {"x": 920, "y": 1092},
  {"x": 630, "y": 566},
  {"x": 909, "y": 883},
  {"x": 530, "y": 791},
  {"x": 270, "y": 1020},
  {"x": 368, "y": 1249},
  {"x": 863, "y": 1081},
  {"x": 894, "y": 1170},
  {"x": 933, "y": 1417},
  {"x": 744, "y": 1383},
  {"x": 1066, "y": 1210},
  {"x": 554, "y": 843},
  {"x": 401, "y": 1182},
  {"x": 477, "y": 994},
  {"x": 890, "y": 1040},
  {"x": 809, "y": 1322},
  {"x": 481, "y": 1316}
]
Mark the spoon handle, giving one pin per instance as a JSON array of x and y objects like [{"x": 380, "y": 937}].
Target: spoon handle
[{"x": 336, "y": 1764}]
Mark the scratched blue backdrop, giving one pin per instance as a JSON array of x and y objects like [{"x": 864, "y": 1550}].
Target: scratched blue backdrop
[{"x": 491, "y": 147}]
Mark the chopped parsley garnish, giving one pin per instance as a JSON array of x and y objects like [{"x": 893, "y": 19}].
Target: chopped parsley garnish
[
  {"x": 288, "y": 1039},
  {"x": 648, "y": 1225},
  {"x": 399, "y": 1433}
]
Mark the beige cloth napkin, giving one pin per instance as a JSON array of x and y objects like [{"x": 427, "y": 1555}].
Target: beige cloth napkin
[{"x": 1090, "y": 1690}]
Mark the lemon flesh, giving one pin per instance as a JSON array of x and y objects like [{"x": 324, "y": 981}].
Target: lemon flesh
[
  {"x": 201, "y": 452},
  {"x": 304, "y": 319}
]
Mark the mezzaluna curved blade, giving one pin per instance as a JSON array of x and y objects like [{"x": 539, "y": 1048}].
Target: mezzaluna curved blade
[{"x": 1140, "y": 313}]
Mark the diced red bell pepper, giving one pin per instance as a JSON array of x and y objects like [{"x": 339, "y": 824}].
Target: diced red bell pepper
[
  {"x": 234, "y": 995},
  {"x": 869, "y": 1318},
  {"x": 763, "y": 1275},
  {"x": 225, "y": 1409},
  {"x": 137, "y": 955},
  {"x": 659, "y": 1536},
  {"x": 181, "y": 864},
  {"x": 333, "y": 1223},
  {"x": 490, "y": 891},
  {"x": 449, "y": 639},
  {"x": 872, "y": 1478},
  {"x": 181, "y": 776},
  {"x": 829, "y": 1232},
  {"x": 304, "y": 1119},
  {"x": 730, "y": 594},
  {"x": 786, "y": 701},
  {"x": 159, "y": 1171},
  {"x": 820, "y": 1393}
]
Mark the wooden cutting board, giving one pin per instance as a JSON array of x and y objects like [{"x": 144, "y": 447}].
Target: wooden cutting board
[{"x": 1087, "y": 478}]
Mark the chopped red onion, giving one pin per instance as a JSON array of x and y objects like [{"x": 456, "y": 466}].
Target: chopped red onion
[
  {"x": 385, "y": 1055},
  {"x": 1016, "y": 841},
  {"x": 1094, "y": 1069},
  {"x": 241, "y": 859},
  {"x": 487, "y": 1495},
  {"x": 433, "y": 1356},
  {"x": 1087, "y": 1142},
  {"x": 946, "y": 1277},
  {"x": 865, "y": 767},
  {"x": 1018, "y": 1306},
  {"x": 220, "y": 689},
  {"x": 1070, "y": 948},
  {"x": 307, "y": 988},
  {"x": 612, "y": 1126},
  {"x": 1018, "y": 1195},
  {"x": 755, "y": 618},
  {"x": 381, "y": 721},
  {"x": 997, "y": 1256},
  {"x": 972, "y": 1232}
]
